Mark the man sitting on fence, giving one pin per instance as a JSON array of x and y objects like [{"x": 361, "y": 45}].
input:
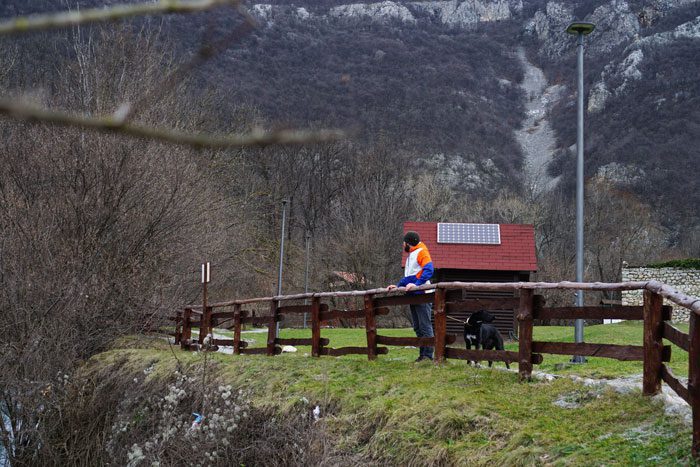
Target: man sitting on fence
[{"x": 418, "y": 271}]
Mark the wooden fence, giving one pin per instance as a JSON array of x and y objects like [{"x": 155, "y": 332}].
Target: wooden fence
[{"x": 653, "y": 353}]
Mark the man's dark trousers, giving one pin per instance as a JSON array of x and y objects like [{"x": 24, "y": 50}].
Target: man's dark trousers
[{"x": 420, "y": 315}]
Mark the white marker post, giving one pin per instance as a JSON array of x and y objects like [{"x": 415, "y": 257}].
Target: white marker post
[{"x": 205, "y": 327}]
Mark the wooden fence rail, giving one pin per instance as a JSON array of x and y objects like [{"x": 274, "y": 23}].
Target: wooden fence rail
[{"x": 527, "y": 307}]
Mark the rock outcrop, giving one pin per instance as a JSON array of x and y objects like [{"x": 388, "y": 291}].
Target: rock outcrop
[
  {"x": 615, "y": 24},
  {"x": 454, "y": 13},
  {"x": 375, "y": 11},
  {"x": 616, "y": 76},
  {"x": 470, "y": 12}
]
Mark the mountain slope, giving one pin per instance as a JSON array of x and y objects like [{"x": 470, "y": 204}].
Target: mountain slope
[{"x": 440, "y": 81}]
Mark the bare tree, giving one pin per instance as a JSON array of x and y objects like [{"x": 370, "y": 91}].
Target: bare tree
[
  {"x": 619, "y": 227},
  {"x": 95, "y": 231},
  {"x": 365, "y": 232}
]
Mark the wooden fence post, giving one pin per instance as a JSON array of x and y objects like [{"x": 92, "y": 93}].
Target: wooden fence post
[
  {"x": 186, "y": 328},
  {"x": 272, "y": 328},
  {"x": 178, "y": 327},
  {"x": 525, "y": 334},
  {"x": 237, "y": 329},
  {"x": 315, "y": 327},
  {"x": 694, "y": 379},
  {"x": 653, "y": 343},
  {"x": 371, "y": 328},
  {"x": 440, "y": 325},
  {"x": 205, "y": 324}
]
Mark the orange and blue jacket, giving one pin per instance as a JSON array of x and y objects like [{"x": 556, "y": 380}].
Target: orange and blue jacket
[{"x": 419, "y": 266}]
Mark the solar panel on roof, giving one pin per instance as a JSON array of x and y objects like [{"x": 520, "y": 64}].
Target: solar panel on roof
[{"x": 480, "y": 234}]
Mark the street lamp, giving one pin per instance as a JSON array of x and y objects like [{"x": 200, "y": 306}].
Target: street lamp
[
  {"x": 307, "y": 237},
  {"x": 580, "y": 29},
  {"x": 279, "y": 275}
]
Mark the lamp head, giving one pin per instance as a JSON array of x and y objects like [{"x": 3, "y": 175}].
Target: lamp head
[{"x": 578, "y": 27}]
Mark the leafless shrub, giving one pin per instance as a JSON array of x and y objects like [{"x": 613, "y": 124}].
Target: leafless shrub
[
  {"x": 95, "y": 232},
  {"x": 119, "y": 414}
]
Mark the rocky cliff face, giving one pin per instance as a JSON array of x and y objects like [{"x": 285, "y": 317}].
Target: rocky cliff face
[
  {"x": 453, "y": 13},
  {"x": 470, "y": 12},
  {"x": 615, "y": 24},
  {"x": 617, "y": 75},
  {"x": 619, "y": 25}
]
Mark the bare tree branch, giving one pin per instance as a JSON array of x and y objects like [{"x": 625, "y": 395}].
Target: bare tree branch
[
  {"x": 116, "y": 124},
  {"x": 59, "y": 20}
]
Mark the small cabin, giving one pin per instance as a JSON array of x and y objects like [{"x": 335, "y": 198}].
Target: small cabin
[{"x": 480, "y": 253}]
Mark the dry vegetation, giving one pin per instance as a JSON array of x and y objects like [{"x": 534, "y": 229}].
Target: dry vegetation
[{"x": 120, "y": 412}]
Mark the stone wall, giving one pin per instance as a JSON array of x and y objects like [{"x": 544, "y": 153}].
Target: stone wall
[{"x": 683, "y": 280}]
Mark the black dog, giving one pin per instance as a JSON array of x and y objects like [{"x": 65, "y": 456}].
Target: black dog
[{"x": 478, "y": 332}]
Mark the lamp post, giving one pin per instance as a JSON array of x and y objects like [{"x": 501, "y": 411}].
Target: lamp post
[
  {"x": 307, "y": 237},
  {"x": 279, "y": 274},
  {"x": 580, "y": 29}
]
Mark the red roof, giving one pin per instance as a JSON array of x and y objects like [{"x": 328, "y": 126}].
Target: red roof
[{"x": 515, "y": 253}]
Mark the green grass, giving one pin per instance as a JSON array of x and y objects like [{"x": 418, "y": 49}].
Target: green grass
[
  {"x": 394, "y": 412},
  {"x": 626, "y": 332}
]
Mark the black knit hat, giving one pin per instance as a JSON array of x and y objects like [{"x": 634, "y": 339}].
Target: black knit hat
[{"x": 412, "y": 238}]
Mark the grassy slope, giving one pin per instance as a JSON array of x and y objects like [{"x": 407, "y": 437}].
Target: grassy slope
[{"x": 393, "y": 411}]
